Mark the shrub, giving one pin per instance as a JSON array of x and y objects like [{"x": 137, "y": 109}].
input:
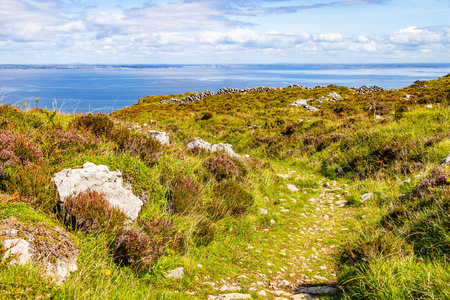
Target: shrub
[
  {"x": 99, "y": 123},
  {"x": 206, "y": 116},
  {"x": 91, "y": 212},
  {"x": 17, "y": 149},
  {"x": 185, "y": 194},
  {"x": 34, "y": 183},
  {"x": 222, "y": 167},
  {"x": 141, "y": 249},
  {"x": 140, "y": 145},
  {"x": 230, "y": 198}
]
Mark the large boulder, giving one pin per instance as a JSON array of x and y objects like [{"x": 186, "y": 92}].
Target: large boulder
[
  {"x": 101, "y": 179},
  {"x": 161, "y": 137},
  {"x": 47, "y": 247}
]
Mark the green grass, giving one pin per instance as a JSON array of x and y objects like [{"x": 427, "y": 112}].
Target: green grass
[{"x": 365, "y": 143}]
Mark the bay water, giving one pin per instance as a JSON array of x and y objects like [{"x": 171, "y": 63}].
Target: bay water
[{"x": 107, "y": 88}]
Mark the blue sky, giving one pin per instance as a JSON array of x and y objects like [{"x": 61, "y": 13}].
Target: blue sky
[{"x": 220, "y": 31}]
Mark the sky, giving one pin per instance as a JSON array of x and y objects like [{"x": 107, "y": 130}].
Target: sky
[{"x": 224, "y": 32}]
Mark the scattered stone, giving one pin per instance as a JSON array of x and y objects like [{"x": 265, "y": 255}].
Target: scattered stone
[
  {"x": 304, "y": 103},
  {"x": 231, "y": 288},
  {"x": 292, "y": 188},
  {"x": 262, "y": 293},
  {"x": 429, "y": 106},
  {"x": 284, "y": 176},
  {"x": 263, "y": 211},
  {"x": 445, "y": 160},
  {"x": 341, "y": 203},
  {"x": 199, "y": 143},
  {"x": 199, "y": 266},
  {"x": 176, "y": 274},
  {"x": 366, "y": 197},
  {"x": 190, "y": 98},
  {"x": 161, "y": 137},
  {"x": 339, "y": 172},
  {"x": 272, "y": 221},
  {"x": 335, "y": 96},
  {"x": 302, "y": 297},
  {"x": 232, "y": 296},
  {"x": 227, "y": 148},
  {"x": 320, "y": 278},
  {"x": 101, "y": 179}
]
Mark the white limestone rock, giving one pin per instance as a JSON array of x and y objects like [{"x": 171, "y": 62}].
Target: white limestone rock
[
  {"x": 176, "y": 274},
  {"x": 101, "y": 179},
  {"x": 199, "y": 143},
  {"x": 227, "y": 148},
  {"x": 162, "y": 137}
]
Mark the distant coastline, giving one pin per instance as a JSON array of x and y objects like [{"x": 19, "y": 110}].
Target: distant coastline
[{"x": 318, "y": 66}]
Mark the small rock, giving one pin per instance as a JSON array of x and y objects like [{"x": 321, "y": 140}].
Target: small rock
[
  {"x": 445, "y": 160},
  {"x": 262, "y": 293},
  {"x": 199, "y": 143},
  {"x": 340, "y": 172},
  {"x": 199, "y": 266},
  {"x": 302, "y": 297},
  {"x": 428, "y": 106},
  {"x": 223, "y": 147},
  {"x": 341, "y": 203},
  {"x": 161, "y": 137},
  {"x": 320, "y": 278},
  {"x": 176, "y": 274},
  {"x": 232, "y": 296},
  {"x": 366, "y": 197},
  {"x": 292, "y": 188},
  {"x": 263, "y": 211},
  {"x": 272, "y": 221}
]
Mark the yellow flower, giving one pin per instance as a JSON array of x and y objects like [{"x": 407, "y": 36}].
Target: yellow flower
[
  {"x": 25, "y": 104},
  {"x": 108, "y": 272}
]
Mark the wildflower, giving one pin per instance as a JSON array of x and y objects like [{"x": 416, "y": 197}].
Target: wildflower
[{"x": 108, "y": 272}]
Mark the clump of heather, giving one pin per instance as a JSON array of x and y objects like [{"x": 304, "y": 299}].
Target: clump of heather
[
  {"x": 142, "y": 248},
  {"x": 185, "y": 194},
  {"x": 91, "y": 212},
  {"x": 223, "y": 167},
  {"x": 17, "y": 149}
]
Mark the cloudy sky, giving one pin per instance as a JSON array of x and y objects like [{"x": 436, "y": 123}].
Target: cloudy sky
[{"x": 224, "y": 31}]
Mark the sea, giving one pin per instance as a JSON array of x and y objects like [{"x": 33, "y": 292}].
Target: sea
[{"x": 105, "y": 88}]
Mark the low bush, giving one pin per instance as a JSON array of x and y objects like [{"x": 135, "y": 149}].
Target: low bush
[
  {"x": 91, "y": 212},
  {"x": 185, "y": 194},
  {"x": 142, "y": 248},
  {"x": 230, "y": 198},
  {"x": 99, "y": 124},
  {"x": 223, "y": 167},
  {"x": 137, "y": 144}
]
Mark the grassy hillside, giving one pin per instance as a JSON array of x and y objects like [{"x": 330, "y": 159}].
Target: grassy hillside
[{"x": 232, "y": 221}]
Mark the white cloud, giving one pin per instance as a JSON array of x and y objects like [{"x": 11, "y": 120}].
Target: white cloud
[
  {"x": 415, "y": 36},
  {"x": 328, "y": 37}
]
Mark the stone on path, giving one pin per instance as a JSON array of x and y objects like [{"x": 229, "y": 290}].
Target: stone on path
[
  {"x": 340, "y": 203},
  {"x": 100, "y": 179},
  {"x": 231, "y": 296},
  {"x": 366, "y": 197},
  {"x": 445, "y": 160},
  {"x": 302, "y": 297},
  {"x": 292, "y": 188}
]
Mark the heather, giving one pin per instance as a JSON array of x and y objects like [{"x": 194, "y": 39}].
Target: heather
[{"x": 221, "y": 216}]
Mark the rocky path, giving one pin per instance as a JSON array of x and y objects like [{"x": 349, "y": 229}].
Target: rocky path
[{"x": 292, "y": 258}]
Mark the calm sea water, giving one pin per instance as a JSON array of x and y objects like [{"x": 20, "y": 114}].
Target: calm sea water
[{"x": 106, "y": 89}]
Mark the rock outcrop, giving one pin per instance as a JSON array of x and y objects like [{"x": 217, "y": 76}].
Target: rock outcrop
[
  {"x": 201, "y": 144},
  {"x": 189, "y": 99},
  {"x": 161, "y": 137},
  {"x": 304, "y": 103},
  {"x": 48, "y": 247},
  {"x": 101, "y": 179}
]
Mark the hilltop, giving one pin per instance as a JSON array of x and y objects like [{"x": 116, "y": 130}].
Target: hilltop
[{"x": 266, "y": 193}]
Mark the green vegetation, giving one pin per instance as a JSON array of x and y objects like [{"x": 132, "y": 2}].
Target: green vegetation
[{"x": 221, "y": 217}]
